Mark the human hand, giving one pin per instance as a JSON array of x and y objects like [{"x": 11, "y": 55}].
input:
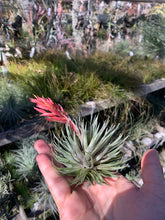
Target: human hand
[{"x": 121, "y": 200}]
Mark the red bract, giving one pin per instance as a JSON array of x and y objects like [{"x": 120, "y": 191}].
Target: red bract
[{"x": 52, "y": 111}]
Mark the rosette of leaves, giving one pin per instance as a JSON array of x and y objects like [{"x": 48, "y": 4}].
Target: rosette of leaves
[
  {"x": 86, "y": 153},
  {"x": 14, "y": 105},
  {"x": 25, "y": 160},
  {"x": 92, "y": 156}
]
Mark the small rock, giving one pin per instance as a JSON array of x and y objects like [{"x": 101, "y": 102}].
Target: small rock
[
  {"x": 159, "y": 135},
  {"x": 128, "y": 149},
  {"x": 146, "y": 141}
]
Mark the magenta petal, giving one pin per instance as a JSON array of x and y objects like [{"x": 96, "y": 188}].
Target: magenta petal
[
  {"x": 57, "y": 119},
  {"x": 33, "y": 100},
  {"x": 52, "y": 111},
  {"x": 39, "y": 110}
]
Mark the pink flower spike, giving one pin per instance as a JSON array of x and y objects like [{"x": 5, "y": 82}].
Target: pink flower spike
[{"x": 53, "y": 112}]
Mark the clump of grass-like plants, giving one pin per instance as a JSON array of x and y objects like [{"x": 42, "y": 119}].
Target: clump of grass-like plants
[
  {"x": 72, "y": 82},
  {"x": 44, "y": 198}
]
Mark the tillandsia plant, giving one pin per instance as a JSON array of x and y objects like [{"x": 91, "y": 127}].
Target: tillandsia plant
[{"x": 86, "y": 152}]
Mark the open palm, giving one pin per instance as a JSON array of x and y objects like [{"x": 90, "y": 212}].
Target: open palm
[{"x": 119, "y": 200}]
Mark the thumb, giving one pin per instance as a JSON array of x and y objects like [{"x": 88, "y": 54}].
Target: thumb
[{"x": 152, "y": 172}]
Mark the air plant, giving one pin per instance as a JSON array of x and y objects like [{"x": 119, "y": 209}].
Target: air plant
[
  {"x": 25, "y": 160},
  {"x": 44, "y": 197},
  {"x": 12, "y": 113},
  {"x": 86, "y": 152}
]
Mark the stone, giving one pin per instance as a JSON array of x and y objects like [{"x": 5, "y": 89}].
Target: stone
[
  {"x": 159, "y": 135},
  {"x": 146, "y": 141}
]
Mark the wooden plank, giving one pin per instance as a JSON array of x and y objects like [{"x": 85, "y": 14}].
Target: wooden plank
[
  {"x": 92, "y": 107},
  {"x": 152, "y": 87},
  {"x": 27, "y": 129}
]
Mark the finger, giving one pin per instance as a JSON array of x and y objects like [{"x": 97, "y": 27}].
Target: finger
[
  {"x": 57, "y": 185},
  {"x": 152, "y": 172},
  {"x": 42, "y": 147}
]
